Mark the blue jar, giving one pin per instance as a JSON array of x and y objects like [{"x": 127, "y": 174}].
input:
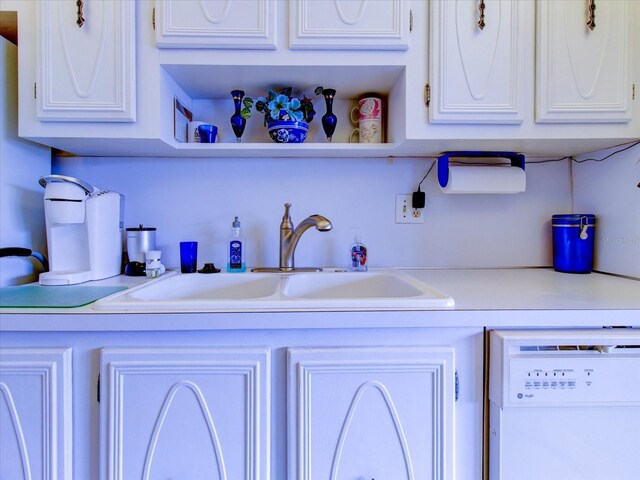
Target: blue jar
[{"x": 573, "y": 240}]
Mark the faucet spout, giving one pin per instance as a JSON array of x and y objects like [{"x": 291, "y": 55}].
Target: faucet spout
[{"x": 289, "y": 236}]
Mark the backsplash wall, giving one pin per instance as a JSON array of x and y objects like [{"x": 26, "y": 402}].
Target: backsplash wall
[
  {"x": 611, "y": 190},
  {"x": 196, "y": 199}
]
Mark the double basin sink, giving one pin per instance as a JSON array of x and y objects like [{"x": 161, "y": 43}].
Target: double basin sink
[{"x": 385, "y": 289}]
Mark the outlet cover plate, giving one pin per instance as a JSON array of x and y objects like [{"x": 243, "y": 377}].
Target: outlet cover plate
[{"x": 405, "y": 213}]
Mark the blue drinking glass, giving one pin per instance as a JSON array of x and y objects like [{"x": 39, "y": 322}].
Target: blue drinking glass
[{"x": 188, "y": 257}]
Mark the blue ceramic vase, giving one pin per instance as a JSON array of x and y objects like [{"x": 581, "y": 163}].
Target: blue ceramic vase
[
  {"x": 238, "y": 122},
  {"x": 329, "y": 120}
]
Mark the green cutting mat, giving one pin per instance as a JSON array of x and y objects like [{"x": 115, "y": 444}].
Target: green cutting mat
[{"x": 59, "y": 296}]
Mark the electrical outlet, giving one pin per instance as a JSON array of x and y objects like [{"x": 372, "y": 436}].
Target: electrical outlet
[{"x": 405, "y": 213}]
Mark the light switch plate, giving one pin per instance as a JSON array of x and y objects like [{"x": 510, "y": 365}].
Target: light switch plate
[{"x": 405, "y": 213}]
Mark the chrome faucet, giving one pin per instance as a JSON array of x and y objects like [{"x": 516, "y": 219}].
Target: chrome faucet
[{"x": 290, "y": 236}]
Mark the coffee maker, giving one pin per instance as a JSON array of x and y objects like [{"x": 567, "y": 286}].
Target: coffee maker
[{"x": 84, "y": 231}]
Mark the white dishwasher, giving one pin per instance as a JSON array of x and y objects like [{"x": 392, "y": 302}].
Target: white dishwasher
[{"x": 564, "y": 404}]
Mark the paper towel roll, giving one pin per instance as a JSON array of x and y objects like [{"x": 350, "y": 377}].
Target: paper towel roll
[{"x": 485, "y": 179}]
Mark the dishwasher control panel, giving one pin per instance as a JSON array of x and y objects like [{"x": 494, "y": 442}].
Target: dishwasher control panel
[
  {"x": 576, "y": 380},
  {"x": 564, "y": 368}
]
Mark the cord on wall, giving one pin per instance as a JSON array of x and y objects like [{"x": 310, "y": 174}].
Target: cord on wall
[{"x": 419, "y": 200}]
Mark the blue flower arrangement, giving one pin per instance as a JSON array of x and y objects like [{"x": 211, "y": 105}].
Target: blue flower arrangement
[{"x": 282, "y": 106}]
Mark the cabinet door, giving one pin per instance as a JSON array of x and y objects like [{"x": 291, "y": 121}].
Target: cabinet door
[
  {"x": 35, "y": 413},
  {"x": 216, "y": 23},
  {"x": 349, "y": 24},
  {"x": 185, "y": 413},
  {"x": 87, "y": 70},
  {"x": 384, "y": 412},
  {"x": 582, "y": 74},
  {"x": 476, "y": 74}
]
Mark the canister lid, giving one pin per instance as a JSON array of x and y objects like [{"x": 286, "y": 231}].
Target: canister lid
[
  {"x": 573, "y": 220},
  {"x": 141, "y": 229}
]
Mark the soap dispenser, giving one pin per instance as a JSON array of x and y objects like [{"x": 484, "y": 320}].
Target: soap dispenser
[
  {"x": 236, "y": 260},
  {"x": 358, "y": 256}
]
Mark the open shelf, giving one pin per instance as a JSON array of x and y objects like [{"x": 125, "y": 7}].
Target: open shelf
[
  {"x": 311, "y": 149},
  {"x": 217, "y": 81},
  {"x": 206, "y": 91}
]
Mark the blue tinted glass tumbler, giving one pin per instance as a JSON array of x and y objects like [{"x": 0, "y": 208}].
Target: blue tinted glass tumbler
[
  {"x": 188, "y": 257},
  {"x": 573, "y": 241}
]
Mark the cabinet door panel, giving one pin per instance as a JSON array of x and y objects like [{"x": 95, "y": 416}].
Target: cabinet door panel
[
  {"x": 185, "y": 413},
  {"x": 216, "y": 23},
  {"x": 476, "y": 74},
  {"x": 349, "y": 24},
  {"x": 582, "y": 75},
  {"x": 35, "y": 413},
  {"x": 384, "y": 412},
  {"x": 87, "y": 73}
]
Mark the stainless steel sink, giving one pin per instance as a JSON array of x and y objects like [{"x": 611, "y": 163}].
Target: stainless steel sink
[{"x": 384, "y": 289}]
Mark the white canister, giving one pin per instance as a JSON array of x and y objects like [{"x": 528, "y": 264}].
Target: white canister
[{"x": 192, "y": 131}]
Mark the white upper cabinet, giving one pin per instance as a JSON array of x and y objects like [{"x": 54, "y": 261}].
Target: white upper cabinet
[
  {"x": 349, "y": 24},
  {"x": 86, "y": 61},
  {"x": 583, "y": 61},
  {"x": 185, "y": 412},
  {"x": 35, "y": 413},
  {"x": 477, "y": 61},
  {"x": 216, "y": 23},
  {"x": 371, "y": 412}
]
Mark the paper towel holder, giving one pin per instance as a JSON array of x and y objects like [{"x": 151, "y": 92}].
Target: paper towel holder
[{"x": 517, "y": 160}]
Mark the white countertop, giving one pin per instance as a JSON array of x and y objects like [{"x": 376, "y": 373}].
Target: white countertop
[
  {"x": 533, "y": 289},
  {"x": 527, "y": 297}
]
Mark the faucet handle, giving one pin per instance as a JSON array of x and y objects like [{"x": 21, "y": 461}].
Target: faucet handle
[{"x": 286, "y": 218}]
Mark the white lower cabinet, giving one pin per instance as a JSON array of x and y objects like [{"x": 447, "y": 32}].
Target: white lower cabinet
[
  {"x": 246, "y": 404},
  {"x": 35, "y": 413},
  {"x": 371, "y": 412},
  {"x": 185, "y": 413}
]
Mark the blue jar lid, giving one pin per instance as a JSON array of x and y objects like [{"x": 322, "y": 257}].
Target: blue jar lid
[{"x": 573, "y": 219}]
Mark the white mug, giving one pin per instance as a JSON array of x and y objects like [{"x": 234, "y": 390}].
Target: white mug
[
  {"x": 368, "y": 131},
  {"x": 192, "y": 131}
]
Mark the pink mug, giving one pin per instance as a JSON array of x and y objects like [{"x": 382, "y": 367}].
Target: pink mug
[
  {"x": 369, "y": 108},
  {"x": 368, "y": 117}
]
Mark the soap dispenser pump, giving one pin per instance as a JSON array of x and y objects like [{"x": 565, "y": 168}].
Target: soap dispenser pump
[{"x": 236, "y": 254}]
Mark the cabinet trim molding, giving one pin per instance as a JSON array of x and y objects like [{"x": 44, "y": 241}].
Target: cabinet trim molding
[
  {"x": 64, "y": 97},
  {"x": 216, "y": 31},
  {"x": 352, "y": 31},
  {"x": 309, "y": 366},
  {"x": 121, "y": 364},
  {"x": 453, "y": 57},
  {"x": 51, "y": 370},
  {"x": 583, "y": 76},
  {"x": 206, "y": 413}
]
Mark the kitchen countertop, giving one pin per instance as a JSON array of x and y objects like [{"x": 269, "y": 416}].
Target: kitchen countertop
[{"x": 518, "y": 297}]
